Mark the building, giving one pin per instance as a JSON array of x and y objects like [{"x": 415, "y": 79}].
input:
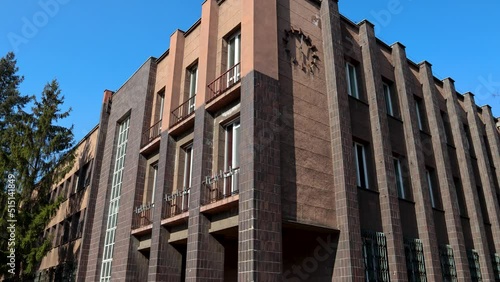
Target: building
[
  {"x": 66, "y": 228},
  {"x": 278, "y": 140}
]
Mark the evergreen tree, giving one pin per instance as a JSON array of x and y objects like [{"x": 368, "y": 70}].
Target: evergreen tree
[{"x": 36, "y": 152}]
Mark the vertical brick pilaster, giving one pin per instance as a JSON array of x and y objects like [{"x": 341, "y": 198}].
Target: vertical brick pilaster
[
  {"x": 94, "y": 188},
  {"x": 386, "y": 180},
  {"x": 443, "y": 170},
  {"x": 349, "y": 262},
  {"x": 205, "y": 255},
  {"x": 468, "y": 181},
  {"x": 476, "y": 126},
  {"x": 415, "y": 152},
  {"x": 260, "y": 236},
  {"x": 165, "y": 262}
]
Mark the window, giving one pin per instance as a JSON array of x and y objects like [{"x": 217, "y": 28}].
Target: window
[
  {"x": 419, "y": 113},
  {"x": 352, "y": 80},
  {"x": 447, "y": 260},
  {"x": 233, "y": 58},
  {"x": 389, "y": 103},
  {"x": 193, "y": 86},
  {"x": 429, "y": 174},
  {"x": 231, "y": 158},
  {"x": 361, "y": 167},
  {"x": 375, "y": 256},
  {"x": 149, "y": 195},
  {"x": 84, "y": 176},
  {"x": 160, "y": 102},
  {"x": 114, "y": 200},
  {"x": 448, "y": 136},
  {"x": 188, "y": 176},
  {"x": 399, "y": 178},
  {"x": 496, "y": 265},
  {"x": 460, "y": 196},
  {"x": 415, "y": 263}
]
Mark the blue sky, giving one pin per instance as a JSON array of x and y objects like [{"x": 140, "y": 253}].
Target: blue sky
[{"x": 94, "y": 45}]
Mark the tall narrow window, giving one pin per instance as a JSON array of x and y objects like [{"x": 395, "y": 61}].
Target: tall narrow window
[
  {"x": 114, "y": 200},
  {"x": 149, "y": 196},
  {"x": 448, "y": 136},
  {"x": 231, "y": 158},
  {"x": 419, "y": 113},
  {"x": 430, "y": 183},
  {"x": 188, "y": 176},
  {"x": 352, "y": 80},
  {"x": 388, "y": 99},
  {"x": 233, "y": 58},
  {"x": 160, "y": 101},
  {"x": 361, "y": 167},
  {"x": 193, "y": 85},
  {"x": 399, "y": 178}
]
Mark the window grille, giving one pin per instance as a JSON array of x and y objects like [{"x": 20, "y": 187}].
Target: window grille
[
  {"x": 475, "y": 268},
  {"x": 375, "y": 256},
  {"x": 415, "y": 262},
  {"x": 447, "y": 260}
]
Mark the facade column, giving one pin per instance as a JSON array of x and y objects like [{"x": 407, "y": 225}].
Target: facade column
[
  {"x": 386, "y": 180},
  {"x": 423, "y": 208},
  {"x": 260, "y": 220},
  {"x": 349, "y": 261},
  {"x": 468, "y": 181},
  {"x": 205, "y": 255},
  {"x": 165, "y": 262},
  {"x": 443, "y": 171},
  {"x": 483, "y": 162}
]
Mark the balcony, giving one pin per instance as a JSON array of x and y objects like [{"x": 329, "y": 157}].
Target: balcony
[
  {"x": 176, "y": 203},
  {"x": 151, "y": 134},
  {"x": 224, "y": 82},
  {"x": 143, "y": 215},
  {"x": 182, "y": 112},
  {"x": 222, "y": 185}
]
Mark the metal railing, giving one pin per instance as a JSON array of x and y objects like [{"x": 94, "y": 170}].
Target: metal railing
[
  {"x": 222, "y": 185},
  {"x": 143, "y": 215},
  {"x": 224, "y": 82},
  {"x": 183, "y": 111},
  {"x": 152, "y": 132},
  {"x": 176, "y": 203}
]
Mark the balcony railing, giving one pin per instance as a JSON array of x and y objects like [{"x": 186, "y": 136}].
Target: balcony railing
[
  {"x": 143, "y": 215},
  {"x": 222, "y": 185},
  {"x": 176, "y": 203},
  {"x": 183, "y": 111},
  {"x": 150, "y": 134},
  {"x": 224, "y": 82}
]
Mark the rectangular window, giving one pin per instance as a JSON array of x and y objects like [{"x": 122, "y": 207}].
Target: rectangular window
[
  {"x": 188, "y": 176},
  {"x": 114, "y": 200},
  {"x": 375, "y": 256},
  {"x": 231, "y": 158},
  {"x": 496, "y": 266},
  {"x": 389, "y": 103},
  {"x": 193, "y": 86},
  {"x": 398, "y": 173},
  {"x": 419, "y": 113},
  {"x": 161, "y": 97},
  {"x": 149, "y": 196},
  {"x": 447, "y": 260},
  {"x": 429, "y": 175},
  {"x": 415, "y": 263},
  {"x": 460, "y": 196},
  {"x": 448, "y": 136},
  {"x": 352, "y": 80},
  {"x": 233, "y": 58},
  {"x": 84, "y": 176},
  {"x": 361, "y": 165}
]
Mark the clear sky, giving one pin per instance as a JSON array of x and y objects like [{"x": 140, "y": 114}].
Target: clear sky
[{"x": 94, "y": 45}]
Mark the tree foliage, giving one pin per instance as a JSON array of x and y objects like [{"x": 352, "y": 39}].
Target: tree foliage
[{"x": 37, "y": 152}]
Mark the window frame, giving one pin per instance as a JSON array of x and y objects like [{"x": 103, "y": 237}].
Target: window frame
[
  {"x": 356, "y": 146},
  {"x": 233, "y": 56},
  {"x": 388, "y": 96},
  {"x": 231, "y": 183},
  {"x": 352, "y": 79},
  {"x": 398, "y": 173}
]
